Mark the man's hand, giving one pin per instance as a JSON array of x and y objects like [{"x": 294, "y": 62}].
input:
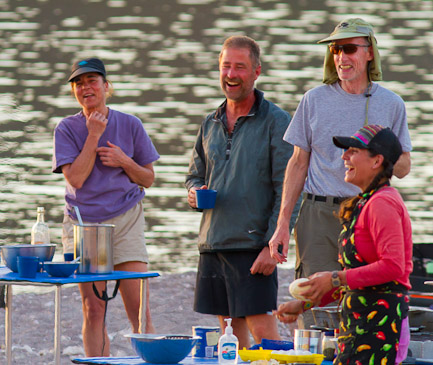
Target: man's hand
[
  {"x": 192, "y": 196},
  {"x": 280, "y": 237},
  {"x": 264, "y": 263}
]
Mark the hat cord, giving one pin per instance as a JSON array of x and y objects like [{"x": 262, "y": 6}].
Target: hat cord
[
  {"x": 368, "y": 90},
  {"x": 367, "y": 95}
]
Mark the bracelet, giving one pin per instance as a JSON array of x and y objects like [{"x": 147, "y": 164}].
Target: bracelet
[{"x": 307, "y": 305}]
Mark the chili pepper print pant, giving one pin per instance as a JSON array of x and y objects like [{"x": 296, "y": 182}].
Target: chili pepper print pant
[{"x": 371, "y": 326}]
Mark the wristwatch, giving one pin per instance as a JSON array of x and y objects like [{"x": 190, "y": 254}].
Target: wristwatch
[{"x": 335, "y": 279}]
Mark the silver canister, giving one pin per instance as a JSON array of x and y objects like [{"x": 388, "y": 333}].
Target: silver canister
[
  {"x": 93, "y": 243},
  {"x": 308, "y": 340}
]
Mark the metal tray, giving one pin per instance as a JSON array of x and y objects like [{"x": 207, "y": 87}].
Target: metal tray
[{"x": 326, "y": 317}]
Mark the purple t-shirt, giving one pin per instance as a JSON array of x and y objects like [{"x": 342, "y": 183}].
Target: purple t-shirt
[{"x": 108, "y": 191}]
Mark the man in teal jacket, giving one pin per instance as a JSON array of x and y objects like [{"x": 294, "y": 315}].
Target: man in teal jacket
[{"x": 240, "y": 152}]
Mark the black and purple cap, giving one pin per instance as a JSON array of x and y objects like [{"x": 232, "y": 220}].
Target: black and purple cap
[
  {"x": 87, "y": 65},
  {"x": 373, "y": 137}
]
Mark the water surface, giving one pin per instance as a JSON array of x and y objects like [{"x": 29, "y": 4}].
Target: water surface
[{"x": 162, "y": 59}]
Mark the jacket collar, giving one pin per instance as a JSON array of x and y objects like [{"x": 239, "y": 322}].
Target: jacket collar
[{"x": 221, "y": 111}]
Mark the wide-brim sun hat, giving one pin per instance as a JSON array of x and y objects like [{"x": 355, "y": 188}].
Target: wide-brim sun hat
[
  {"x": 85, "y": 66},
  {"x": 351, "y": 28},
  {"x": 373, "y": 137}
]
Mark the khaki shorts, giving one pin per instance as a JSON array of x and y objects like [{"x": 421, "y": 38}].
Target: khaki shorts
[{"x": 129, "y": 241}]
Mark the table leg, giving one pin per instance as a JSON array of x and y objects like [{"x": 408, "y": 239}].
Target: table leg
[
  {"x": 57, "y": 325},
  {"x": 143, "y": 305},
  {"x": 8, "y": 324}
]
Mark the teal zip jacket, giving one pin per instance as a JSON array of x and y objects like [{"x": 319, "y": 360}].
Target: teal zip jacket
[{"x": 247, "y": 170}]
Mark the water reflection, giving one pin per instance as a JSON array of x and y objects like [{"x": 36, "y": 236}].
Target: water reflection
[{"x": 162, "y": 59}]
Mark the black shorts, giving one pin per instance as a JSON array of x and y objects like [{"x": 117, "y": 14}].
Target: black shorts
[{"x": 226, "y": 287}]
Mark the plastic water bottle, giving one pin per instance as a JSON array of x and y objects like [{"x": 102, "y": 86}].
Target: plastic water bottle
[
  {"x": 40, "y": 230},
  {"x": 228, "y": 346}
]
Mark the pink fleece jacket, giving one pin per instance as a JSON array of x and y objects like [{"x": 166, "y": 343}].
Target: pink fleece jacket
[{"x": 383, "y": 238}]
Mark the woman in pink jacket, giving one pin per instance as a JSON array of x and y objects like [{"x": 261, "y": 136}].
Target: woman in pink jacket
[{"x": 375, "y": 251}]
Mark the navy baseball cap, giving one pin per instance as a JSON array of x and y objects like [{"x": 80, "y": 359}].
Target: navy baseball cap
[
  {"x": 87, "y": 65},
  {"x": 373, "y": 137}
]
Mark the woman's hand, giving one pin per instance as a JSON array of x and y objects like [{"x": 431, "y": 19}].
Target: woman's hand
[
  {"x": 77, "y": 172},
  {"x": 319, "y": 284},
  {"x": 112, "y": 155},
  {"x": 96, "y": 123},
  {"x": 288, "y": 312}
]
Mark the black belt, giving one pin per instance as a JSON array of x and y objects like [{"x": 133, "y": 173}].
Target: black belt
[{"x": 319, "y": 198}]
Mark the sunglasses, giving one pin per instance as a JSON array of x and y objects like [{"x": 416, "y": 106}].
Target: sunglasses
[{"x": 349, "y": 48}]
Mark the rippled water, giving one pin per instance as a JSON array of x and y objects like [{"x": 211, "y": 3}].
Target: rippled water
[{"x": 162, "y": 59}]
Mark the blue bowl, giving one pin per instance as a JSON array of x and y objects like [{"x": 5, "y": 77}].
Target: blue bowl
[
  {"x": 60, "y": 269},
  {"x": 267, "y": 344},
  {"x": 162, "y": 349},
  {"x": 45, "y": 252}
]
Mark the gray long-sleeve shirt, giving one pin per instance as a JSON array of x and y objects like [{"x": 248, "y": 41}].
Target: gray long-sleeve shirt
[{"x": 247, "y": 169}]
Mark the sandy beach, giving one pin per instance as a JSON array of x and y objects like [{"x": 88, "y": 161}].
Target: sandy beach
[{"x": 171, "y": 300}]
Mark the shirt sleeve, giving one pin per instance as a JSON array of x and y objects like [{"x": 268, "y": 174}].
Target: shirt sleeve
[
  {"x": 66, "y": 147},
  {"x": 197, "y": 165},
  {"x": 144, "y": 150},
  {"x": 299, "y": 132},
  {"x": 400, "y": 127}
]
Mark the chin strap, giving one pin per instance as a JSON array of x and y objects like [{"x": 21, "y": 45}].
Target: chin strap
[
  {"x": 104, "y": 296},
  {"x": 367, "y": 93}
]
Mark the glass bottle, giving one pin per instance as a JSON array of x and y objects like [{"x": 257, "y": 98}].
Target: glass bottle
[
  {"x": 329, "y": 345},
  {"x": 40, "y": 230}
]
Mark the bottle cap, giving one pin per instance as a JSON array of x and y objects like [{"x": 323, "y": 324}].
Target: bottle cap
[
  {"x": 41, "y": 210},
  {"x": 229, "y": 328}
]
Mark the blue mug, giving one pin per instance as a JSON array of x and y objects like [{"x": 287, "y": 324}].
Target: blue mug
[
  {"x": 206, "y": 198},
  {"x": 69, "y": 256},
  {"x": 28, "y": 266}
]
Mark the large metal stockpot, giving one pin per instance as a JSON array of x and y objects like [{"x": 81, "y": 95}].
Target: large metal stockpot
[{"x": 93, "y": 243}]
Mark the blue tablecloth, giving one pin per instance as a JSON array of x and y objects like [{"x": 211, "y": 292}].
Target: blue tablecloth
[
  {"x": 129, "y": 360},
  {"x": 7, "y": 275},
  {"x": 134, "y": 360}
]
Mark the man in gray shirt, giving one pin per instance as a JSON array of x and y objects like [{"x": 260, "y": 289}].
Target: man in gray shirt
[{"x": 348, "y": 100}]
